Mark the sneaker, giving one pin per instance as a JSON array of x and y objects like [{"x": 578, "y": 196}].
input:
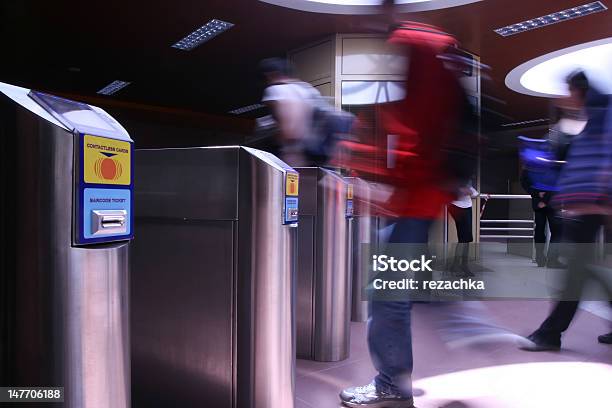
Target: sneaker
[
  {"x": 605, "y": 338},
  {"x": 368, "y": 396},
  {"x": 537, "y": 343}
]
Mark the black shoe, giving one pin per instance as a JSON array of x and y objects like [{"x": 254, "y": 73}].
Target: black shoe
[
  {"x": 537, "y": 343},
  {"x": 605, "y": 338},
  {"x": 368, "y": 396},
  {"x": 541, "y": 261}
]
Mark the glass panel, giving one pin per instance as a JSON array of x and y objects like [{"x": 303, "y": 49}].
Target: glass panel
[
  {"x": 75, "y": 115},
  {"x": 371, "y": 92},
  {"x": 363, "y": 99}
]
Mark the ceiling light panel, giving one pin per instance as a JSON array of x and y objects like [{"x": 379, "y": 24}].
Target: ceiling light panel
[
  {"x": 113, "y": 87},
  {"x": 205, "y": 33},
  {"x": 245, "y": 109},
  {"x": 526, "y": 122},
  {"x": 564, "y": 15}
]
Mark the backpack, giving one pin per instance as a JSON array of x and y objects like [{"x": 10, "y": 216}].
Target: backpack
[{"x": 329, "y": 125}]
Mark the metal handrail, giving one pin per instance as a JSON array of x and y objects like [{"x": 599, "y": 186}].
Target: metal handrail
[
  {"x": 509, "y": 221},
  {"x": 487, "y": 197},
  {"x": 506, "y": 196},
  {"x": 507, "y": 236},
  {"x": 505, "y": 229}
]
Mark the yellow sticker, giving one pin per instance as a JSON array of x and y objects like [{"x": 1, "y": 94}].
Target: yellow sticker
[
  {"x": 106, "y": 161},
  {"x": 349, "y": 192},
  {"x": 292, "y": 184}
]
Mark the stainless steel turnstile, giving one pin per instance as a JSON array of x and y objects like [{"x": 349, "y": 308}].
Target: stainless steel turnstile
[
  {"x": 66, "y": 226},
  {"x": 212, "y": 289},
  {"x": 364, "y": 231},
  {"x": 324, "y": 283}
]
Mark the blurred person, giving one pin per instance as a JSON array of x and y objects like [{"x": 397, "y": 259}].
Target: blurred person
[
  {"x": 543, "y": 215},
  {"x": 425, "y": 121},
  {"x": 569, "y": 115},
  {"x": 305, "y": 127},
  {"x": 570, "y": 120},
  {"x": 461, "y": 211},
  {"x": 584, "y": 194},
  {"x": 291, "y": 104}
]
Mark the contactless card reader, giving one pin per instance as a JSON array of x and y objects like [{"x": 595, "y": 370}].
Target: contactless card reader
[
  {"x": 291, "y": 186},
  {"x": 103, "y": 191}
]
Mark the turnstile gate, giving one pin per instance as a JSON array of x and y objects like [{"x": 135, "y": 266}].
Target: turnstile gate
[
  {"x": 324, "y": 248},
  {"x": 212, "y": 289},
  {"x": 66, "y": 218},
  {"x": 364, "y": 231}
]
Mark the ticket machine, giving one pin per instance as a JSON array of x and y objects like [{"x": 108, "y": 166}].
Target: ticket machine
[{"x": 66, "y": 212}]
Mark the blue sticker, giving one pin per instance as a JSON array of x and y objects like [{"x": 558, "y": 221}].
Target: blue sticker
[
  {"x": 105, "y": 199},
  {"x": 349, "y": 208},
  {"x": 291, "y": 210}
]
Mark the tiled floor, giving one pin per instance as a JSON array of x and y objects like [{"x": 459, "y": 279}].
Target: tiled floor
[{"x": 493, "y": 377}]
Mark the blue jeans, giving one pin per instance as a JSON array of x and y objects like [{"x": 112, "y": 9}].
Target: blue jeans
[{"x": 389, "y": 335}]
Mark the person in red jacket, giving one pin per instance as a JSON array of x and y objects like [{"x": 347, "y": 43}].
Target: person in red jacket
[{"x": 427, "y": 123}]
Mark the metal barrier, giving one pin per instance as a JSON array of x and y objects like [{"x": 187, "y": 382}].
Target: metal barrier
[
  {"x": 66, "y": 224},
  {"x": 212, "y": 291},
  {"x": 364, "y": 231},
  {"x": 323, "y": 298},
  {"x": 517, "y": 229}
]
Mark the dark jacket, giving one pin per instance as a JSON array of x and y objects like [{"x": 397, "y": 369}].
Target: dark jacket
[
  {"x": 534, "y": 193},
  {"x": 585, "y": 178}
]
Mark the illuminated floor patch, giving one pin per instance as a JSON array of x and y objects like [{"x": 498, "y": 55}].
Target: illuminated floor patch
[{"x": 532, "y": 385}]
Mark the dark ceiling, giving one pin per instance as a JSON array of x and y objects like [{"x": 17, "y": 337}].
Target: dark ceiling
[{"x": 77, "y": 47}]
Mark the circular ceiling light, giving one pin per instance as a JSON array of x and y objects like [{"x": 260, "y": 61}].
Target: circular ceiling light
[
  {"x": 365, "y": 6},
  {"x": 545, "y": 75}
]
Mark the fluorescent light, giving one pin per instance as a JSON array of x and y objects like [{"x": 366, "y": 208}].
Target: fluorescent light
[
  {"x": 208, "y": 31},
  {"x": 245, "y": 109},
  {"x": 113, "y": 87},
  {"x": 525, "y": 122},
  {"x": 564, "y": 15}
]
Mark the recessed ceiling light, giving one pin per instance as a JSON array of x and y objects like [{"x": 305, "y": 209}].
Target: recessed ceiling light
[
  {"x": 245, "y": 109},
  {"x": 353, "y": 7},
  {"x": 559, "y": 16},
  {"x": 546, "y": 75},
  {"x": 208, "y": 31},
  {"x": 113, "y": 87}
]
